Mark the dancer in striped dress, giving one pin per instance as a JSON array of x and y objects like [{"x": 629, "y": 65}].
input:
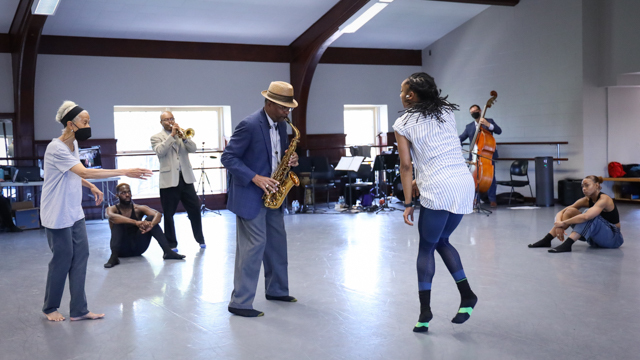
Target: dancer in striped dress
[{"x": 426, "y": 133}]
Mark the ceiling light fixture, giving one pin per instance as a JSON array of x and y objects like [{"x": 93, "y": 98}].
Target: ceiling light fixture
[
  {"x": 365, "y": 16},
  {"x": 386, "y": 1},
  {"x": 44, "y": 7}
]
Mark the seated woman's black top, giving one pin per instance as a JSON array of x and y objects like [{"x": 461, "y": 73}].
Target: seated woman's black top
[{"x": 611, "y": 216}]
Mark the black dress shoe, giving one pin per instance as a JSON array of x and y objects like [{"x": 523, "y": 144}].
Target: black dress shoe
[
  {"x": 245, "y": 312},
  {"x": 282, "y": 298},
  {"x": 173, "y": 256}
]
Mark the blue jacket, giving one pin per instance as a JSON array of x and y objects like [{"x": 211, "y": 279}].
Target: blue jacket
[
  {"x": 247, "y": 154},
  {"x": 470, "y": 131}
]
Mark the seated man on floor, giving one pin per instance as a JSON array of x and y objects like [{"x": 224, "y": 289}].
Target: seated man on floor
[
  {"x": 130, "y": 234},
  {"x": 6, "y": 220}
]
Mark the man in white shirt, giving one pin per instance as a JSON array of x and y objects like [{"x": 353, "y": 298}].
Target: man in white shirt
[{"x": 176, "y": 178}]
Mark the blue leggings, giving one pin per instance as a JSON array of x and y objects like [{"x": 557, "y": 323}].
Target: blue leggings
[{"x": 435, "y": 227}]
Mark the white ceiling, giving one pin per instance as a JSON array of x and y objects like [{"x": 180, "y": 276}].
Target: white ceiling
[
  {"x": 7, "y": 11},
  {"x": 410, "y": 24},
  {"x": 404, "y": 24},
  {"x": 270, "y": 22}
]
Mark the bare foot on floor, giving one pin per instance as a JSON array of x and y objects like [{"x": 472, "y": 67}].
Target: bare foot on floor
[
  {"x": 88, "y": 316},
  {"x": 54, "y": 316}
]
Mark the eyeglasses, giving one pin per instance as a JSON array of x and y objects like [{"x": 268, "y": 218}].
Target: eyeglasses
[
  {"x": 283, "y": 108},
  {"x": 169, "y": 119}
]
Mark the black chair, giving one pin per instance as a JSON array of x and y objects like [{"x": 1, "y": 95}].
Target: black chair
[
  {"x": 518, "y": 168},
  {"x": 319, "y": 169},
  {"x": 323, "y": 171}
]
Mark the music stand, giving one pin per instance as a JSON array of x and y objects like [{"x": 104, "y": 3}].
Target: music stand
[
  {"x": 350, "y": 164},
  {"x": 203, "y": 178},
  {"x": 382, "y": 163}
]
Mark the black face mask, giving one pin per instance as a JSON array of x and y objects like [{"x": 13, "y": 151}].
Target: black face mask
[
  {"x": 82, "y": 134},
  {"x": 475, "y": 115}
]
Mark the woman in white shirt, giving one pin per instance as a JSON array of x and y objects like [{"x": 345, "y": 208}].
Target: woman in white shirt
[
  {"x": 426, "y": 133},
  {"x": 62, "y": 215}
]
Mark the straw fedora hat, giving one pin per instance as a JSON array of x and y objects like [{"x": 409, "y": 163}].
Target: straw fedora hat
[{"x": 281, "y": 93}]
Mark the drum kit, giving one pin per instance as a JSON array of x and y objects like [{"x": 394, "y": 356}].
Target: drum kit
[
  {"x": 388, "y": 168},
  {"x": 388, "y": 182}
]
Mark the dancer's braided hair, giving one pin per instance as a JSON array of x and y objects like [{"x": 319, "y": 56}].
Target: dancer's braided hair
[{"x": 431, "y": 103}]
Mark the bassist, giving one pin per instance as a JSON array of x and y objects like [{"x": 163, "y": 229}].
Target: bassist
[{"x": 469, "y": 133}]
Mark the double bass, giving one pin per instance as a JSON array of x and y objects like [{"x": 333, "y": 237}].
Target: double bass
[{"x": 483, "y": 146}]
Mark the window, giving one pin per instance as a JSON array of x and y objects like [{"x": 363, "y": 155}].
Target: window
[
  {"x": 6, "y": 151},
  {"x": 6, "y": 139},
  {"x": 135, "y": 125},
  {"x": 365, "y": 125}
]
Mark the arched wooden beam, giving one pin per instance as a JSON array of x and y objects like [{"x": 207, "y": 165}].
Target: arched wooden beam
[
  {"x": 487, "y": 2},
  {"x": 309, "y": 47},
  {"x": 24, "y": 38},
  {"x": 307, "y": 50}
]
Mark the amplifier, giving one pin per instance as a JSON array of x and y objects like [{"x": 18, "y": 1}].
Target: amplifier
[
  {"x": 25, "y": 173},
  {"x": 569, "y": 191}
]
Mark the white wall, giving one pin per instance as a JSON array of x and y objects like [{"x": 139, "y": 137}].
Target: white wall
[
  {"x": 6, "y": 84},
  {"x": 621, "y": 46},
  {"x": 531, "y": 54},
  {"x": 99, "y": 83},
  {"x": 594, "y": 102},
  {"x": 335, "y": 85},
  {"x": 624, "y": 127}
]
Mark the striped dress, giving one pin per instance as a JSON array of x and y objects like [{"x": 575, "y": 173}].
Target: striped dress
[{"x": 442, "y": 176}]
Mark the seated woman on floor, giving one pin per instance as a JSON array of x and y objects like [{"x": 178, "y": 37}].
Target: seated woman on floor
[{"x": 599, "y": 225}]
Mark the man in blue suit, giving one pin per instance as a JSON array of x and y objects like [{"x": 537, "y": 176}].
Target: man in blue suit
[
  {"x": 470, "y": 132},
  {"x": 251, "y": 157}
]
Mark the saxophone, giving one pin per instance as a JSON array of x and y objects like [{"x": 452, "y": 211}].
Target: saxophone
[{"x": 285, "y": 178}]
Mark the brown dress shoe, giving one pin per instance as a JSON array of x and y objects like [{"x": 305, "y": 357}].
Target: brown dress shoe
[{"x": 494, "y": 204}]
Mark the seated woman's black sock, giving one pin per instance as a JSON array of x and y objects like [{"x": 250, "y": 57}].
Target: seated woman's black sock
[
  {"x": 545, "y": 242},
  {"x": 468, "y": 301},
  {"x": 425, "y": 311},
  {"x": 564, "y": 247}
]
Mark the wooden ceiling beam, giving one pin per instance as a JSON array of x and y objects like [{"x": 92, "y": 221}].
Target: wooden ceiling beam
[
  {"x": 156, "y": 49},
  {"x": 159, "y": 49},
  {"x": 24, "y": 34},
  {"x": 365, "y": 56},
  {"x": 486, "y": 2},
  {"x": 307, "y": 50},
  {"x": 5, "y": 43}
]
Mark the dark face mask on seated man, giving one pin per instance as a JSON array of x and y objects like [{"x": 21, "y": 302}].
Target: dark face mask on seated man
[{"x": 475, "y": 115}]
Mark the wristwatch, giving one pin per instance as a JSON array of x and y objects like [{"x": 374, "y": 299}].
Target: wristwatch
[{"x": 408, "y": 205}]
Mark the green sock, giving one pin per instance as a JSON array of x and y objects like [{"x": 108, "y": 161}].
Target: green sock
[
  {"x": 425, "y": 312},
  {"x": 467, "y": 302}
]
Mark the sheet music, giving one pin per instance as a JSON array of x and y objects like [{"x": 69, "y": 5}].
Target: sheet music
[{"x": 350, "y": 163}]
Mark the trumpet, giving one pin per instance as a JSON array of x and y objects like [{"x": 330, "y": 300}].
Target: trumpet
[{"x": 185, "y": 134}]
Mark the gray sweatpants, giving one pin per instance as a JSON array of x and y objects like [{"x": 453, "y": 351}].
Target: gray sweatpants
[{"x": 70, "y": 248}]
